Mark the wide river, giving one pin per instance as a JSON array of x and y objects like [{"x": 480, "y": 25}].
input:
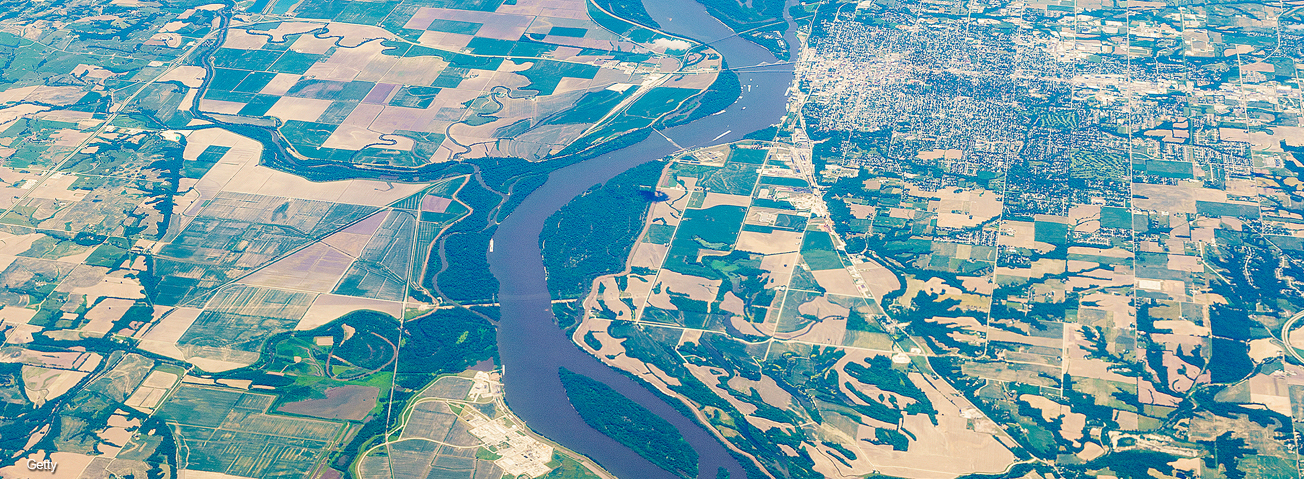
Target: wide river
[{"x": 531, "y": 345}]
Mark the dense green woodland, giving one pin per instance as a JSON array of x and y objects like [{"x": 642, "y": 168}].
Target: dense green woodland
[
  {"x": 594, "y": 234},
  {"x": 630, "y": 424}
]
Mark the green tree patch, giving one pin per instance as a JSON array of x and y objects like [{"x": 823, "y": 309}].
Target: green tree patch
[
  {"x": 594, "y": 233},
  {"x": 630, "y": 424}
]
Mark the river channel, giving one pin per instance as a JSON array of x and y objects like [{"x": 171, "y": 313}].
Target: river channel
[{"x": 530, "y": 344}]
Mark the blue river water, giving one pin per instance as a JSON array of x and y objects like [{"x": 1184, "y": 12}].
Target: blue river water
[{"x": 530, "y": 344}]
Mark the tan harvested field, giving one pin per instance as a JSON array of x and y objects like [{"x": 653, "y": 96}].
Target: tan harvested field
[
  {"x": 613, "y": 353},
  {"x": 1173, "y": 199},
  {"x": 312, "y": 44},
  {"x": 720, "y": 199},
  {"x": 479, "y": 81},
  {"x": 665, "y": 211},
  {"x": 774, "y": 242},
  {"x": 638, "y": 287},
  {"x": 570, "y": 9},
  {"x": 12, "y": 244},
  {"x": 399, "y": 118},
  {"x": 747, "y": 327},
  {"x": 1272, "y": 392},
  {"x": 598, "y": 326},
  {"x": 649, "y": 255},
  {"x": 862, "y": 211},
  {"x": 443, "y": 40},
  {"x": 350, "y": 244},
  {"x": 1190, "y": 264},
  {"x": 409, "y": 70},
  {"x": 162, "y": 336},
  {"x": 1183, "y": 327},
  {"x": 70, "y": 464},
  {"x": 732, "y": 303},
  {"x": 121, "y": 430},
  {"x": 934, "y": 285},
  {"x": 1264, "y": 349},
  {"x": 998, "y": 334},
  {"x": 950, "y": 154},
  {"x": 242, "y": 39},
  {"x": 453, "y": 98},
  {"x": 610, "y": 300},
  {"x": 352, "y": 137},
  {"x": 697, "y": 288},
  {"x": 316, "y": 268},
  {"x": 16, "y": 94},
  {"x": 70, "y": 138},
  {"x": 219, "y": 106},
  {"x": 779, "y": 268},
  {"x": 198, "y": 474},
  {"x": 217, "y": 362},
  {"x": 56, "y": 187},
  {"x": 1047, "y": 266},
  {"x": 151, "y": 392},
  {"x": 965, "y": 209},
  {"x": 980, "y": 285},
  {"x": 115, "y": 284},
  {"x": 696, "y": 82},
  {"x": 572, "y": 54},
  {"x": 191, "y": 76},
  {"x": 18, "y": 317},
  {"x": 242, "y": 173},
  {"x": 1019, "y": 234},
  {"x": 72, "y": 360},
  {"x": 57, "y": 95},
  {"x": 104, "y": 314},
  {"x": 960, "y": 443},
  {"x": 611, "y": 77},
  {"x": 10, "y": 196},
  {"x": 836, "y": 281},
  {"x": 768, "y": 389},
  {"x": 346, "y": 64},
  {"x": 1117, "y": 305},
  {"x": 573, "y": 84},
  {"x": 328, "y": 307},
  {"x": 945, "y": 450},
  {"x": 280, "y": 84},
  {"x": 712, "y": 377},
  {"x": 197, "y": 141},
  {"x": 303, "y": 109},
  {"x": 822, "y": 307},
  {"x": 43, "y": 384},
  {"x": 1119, "y": 277},
  {"x": 363, "y": 115}
]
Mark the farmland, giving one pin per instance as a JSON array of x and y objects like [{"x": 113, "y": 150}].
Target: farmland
[
  {"x": 1027, "y": 240},
  {"x": 932, "y": 268},
  {"x": 428, "y": 85},
  {"x": 240, "y": 239},
  {"x": 738, "y": 274}
]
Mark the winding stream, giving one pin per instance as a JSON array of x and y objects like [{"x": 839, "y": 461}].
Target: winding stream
[{"x": 530, "y": 344}]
